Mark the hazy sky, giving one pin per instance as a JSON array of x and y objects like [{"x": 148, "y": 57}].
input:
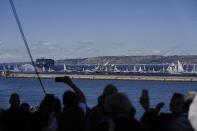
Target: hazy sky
[{"x": 86, "y": 28}]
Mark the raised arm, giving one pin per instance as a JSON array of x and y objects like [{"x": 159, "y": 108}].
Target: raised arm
[
  {"x": 145, "y": 100},
  {"x": 80, "y": 95}
]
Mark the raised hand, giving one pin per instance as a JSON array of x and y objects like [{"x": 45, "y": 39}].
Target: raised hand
[
  {"x": 144, "y": 100},
  {"x": 67, "y": 80},
  {"x": 159, "y": 106}
]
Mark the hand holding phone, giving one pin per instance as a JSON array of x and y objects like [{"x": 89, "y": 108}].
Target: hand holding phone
[
  {"x": 59, "y": 79},
  {"x": 64, "y": 79}
]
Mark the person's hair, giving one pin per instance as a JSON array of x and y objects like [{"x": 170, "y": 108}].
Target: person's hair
[
  {"x": 25, "y": 107},
  {"x": 109, "y": 90},
  {"x": 178, "y": 95},
  {"x": 47, "y": 102},
  {"x": 118, "y": 104},
  {"x": 56, "y": 105},
  {"x": 177, "y": 103},
  {"x": 69, "y": 99},
  {"x": 14, "y": 100}
]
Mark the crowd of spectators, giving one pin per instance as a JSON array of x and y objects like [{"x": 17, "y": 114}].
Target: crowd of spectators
[{"x": 113, "y": 112}]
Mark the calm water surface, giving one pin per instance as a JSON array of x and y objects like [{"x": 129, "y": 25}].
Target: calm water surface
[{"x": 30, "y": 90}]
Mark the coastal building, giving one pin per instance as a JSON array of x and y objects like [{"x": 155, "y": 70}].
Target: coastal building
[{"x": 45, "y": 64}]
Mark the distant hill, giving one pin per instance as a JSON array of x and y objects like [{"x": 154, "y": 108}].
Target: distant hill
[{"x": 149, "y": 59}]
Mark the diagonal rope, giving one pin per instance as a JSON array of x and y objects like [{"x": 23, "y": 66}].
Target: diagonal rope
[{"x": 26, "y": 44}]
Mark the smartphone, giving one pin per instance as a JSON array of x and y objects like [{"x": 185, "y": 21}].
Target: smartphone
[{"x": 59, "y": 79}]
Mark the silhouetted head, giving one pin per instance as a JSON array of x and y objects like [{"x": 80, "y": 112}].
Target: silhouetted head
[
  {"x": 107, "y": 91},
  {"x": 47, "y": 102},
  {"x": 119, "y": 105},
  {"x": 177, "y": 103},
  {"x": 69, "y": 99},
  {"x": 56, "y": 105},
  {"x": 14, "y": 100},
  {"x": 25, "y": 107}
]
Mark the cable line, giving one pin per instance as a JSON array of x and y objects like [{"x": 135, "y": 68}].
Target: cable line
[{"x": 26, "y": 44}]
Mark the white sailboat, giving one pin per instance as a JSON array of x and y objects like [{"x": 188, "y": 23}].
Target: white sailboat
[
  {"x": 106, "y": 64},
  {"x": 171, "y": 68},
  {"x": 134, "y": 68},
  {"x": 176, "y": 68},
  {"x": 153, "y": 70},
  {"x": 194, "y": 68},
  {"x": 4, "y": 67},
  {"x": 50, "y": 69},
  {"x": 140, "y": 69},
  {"x": 43, "y": 69},
  {"x": 163, "y": 69},
  {"x": 65, "y": 69},
  {"x": 116, "y": 69},
  {"x": 180, "y": 67},
  {"x": 144, "y": 69}
]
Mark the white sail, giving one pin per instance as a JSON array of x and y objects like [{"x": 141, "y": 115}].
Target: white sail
[
  {"x": 140, "y": 69},
  {"x": 9, "y": 67},
  {"x": 106, "y": 69},
  {"x": 96, "y": 68},
  {"x": 116, "y": 69},
  {"x": 134, "y": 68},
  {"x": 127, "y": 70},
  {"x": 4, "y": 67},
  {"x": 43, "y": 69},
  {"x": 180, "y": 67},
  {"x": 170, "y": 68},
  {"x": 16, "y": 68},
  {"x": 49, "y": 70},
  {"x": 65, "y": 69},
  {"x": 105, "y": 64},
  {"x": 163, "y": 68},
  {"x": 153, "y": 69},
  {"x": 144, "y": 68},
  {"x": 175, "y": 68}
]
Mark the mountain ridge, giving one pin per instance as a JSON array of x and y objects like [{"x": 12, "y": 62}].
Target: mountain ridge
[{"x": 149, "y": 59}]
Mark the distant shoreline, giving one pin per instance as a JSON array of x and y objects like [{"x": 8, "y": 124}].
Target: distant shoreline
[{"x": 110, "y": 77}]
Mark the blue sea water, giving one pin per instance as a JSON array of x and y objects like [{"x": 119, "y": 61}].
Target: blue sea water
[{"x": 30, "y": 91}]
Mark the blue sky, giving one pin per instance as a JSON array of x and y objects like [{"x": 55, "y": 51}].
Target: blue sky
[{"x": 86, "y": 28}]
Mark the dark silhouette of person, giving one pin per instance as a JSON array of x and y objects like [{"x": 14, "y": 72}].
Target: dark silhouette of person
[
  {"x": 121, "y": 113},
  {"x": 41, "y": 117},
  {"x": 53, "y": 123},
  {"x": 97, "y": 114},
  {"x": 26, "y": 116},
  {"x": 11, "y": 119},
  {"x": 74, "y": 111},
  {"x": 173, "y": 121}
]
